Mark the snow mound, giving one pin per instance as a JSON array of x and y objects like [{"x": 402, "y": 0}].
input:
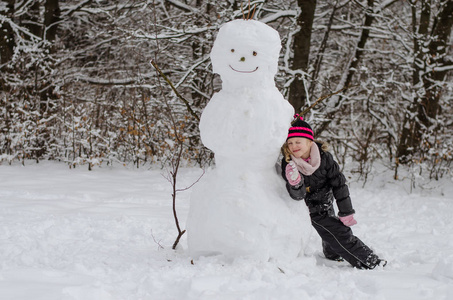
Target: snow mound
[{"x": 444, "y": 268}]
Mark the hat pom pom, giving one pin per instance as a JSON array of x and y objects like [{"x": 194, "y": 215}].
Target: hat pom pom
[{"x": 298, "y": 116}]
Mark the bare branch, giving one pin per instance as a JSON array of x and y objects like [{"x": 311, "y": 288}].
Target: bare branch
[
  {"x": 182, "y": 6},
  {"x": 321, "y": 99},
  {"x": 159, "y": 246},
  {"x": 153, "y": 63},
  {"x": 196, "y": 181}
]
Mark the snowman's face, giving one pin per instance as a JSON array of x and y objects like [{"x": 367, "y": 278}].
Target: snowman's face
[
  {"x": 243, "y": 60},
  {"x": 246, "y": 51}
]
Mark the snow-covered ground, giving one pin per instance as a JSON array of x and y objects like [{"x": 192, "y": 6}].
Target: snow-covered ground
[{"x": 107, "y": 234}]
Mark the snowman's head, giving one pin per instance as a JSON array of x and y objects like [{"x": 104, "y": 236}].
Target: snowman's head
[{"x": 245, "y": 53}]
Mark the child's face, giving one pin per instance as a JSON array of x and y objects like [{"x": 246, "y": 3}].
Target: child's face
[{"x": 299, "y": 147}]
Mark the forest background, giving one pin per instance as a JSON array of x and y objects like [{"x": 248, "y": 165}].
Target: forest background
[{"x": 102, "y": 82}]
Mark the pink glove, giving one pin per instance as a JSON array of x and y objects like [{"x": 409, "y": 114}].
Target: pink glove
[
  {"x": 292, "y": 174},
  {"x": 348, "y": 220}
]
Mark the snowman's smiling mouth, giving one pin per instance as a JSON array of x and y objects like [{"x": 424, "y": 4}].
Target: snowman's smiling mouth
[{"x": 242, "y": 71}]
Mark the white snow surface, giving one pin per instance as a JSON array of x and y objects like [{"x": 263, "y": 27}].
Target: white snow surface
[{"x": 107, "y": 234}]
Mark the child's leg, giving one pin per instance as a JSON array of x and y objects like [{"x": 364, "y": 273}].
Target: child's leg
[
  {"x": 329, "y": 253},
  {"x": 342, "y": 241}
]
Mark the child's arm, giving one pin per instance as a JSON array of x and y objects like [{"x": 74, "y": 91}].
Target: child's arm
[
  {"x": 294, "y": 183},
  {"x": 296, "y": 192},
  {"x": 339, "y": 188}
]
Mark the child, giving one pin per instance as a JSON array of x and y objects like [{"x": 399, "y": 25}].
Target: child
[{"x": 312, "y": 174}]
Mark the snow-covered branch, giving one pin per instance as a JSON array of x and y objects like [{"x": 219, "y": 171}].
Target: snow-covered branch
[
  {"x": 182, "y": 6},
  {"x": 278, "y": 15}
]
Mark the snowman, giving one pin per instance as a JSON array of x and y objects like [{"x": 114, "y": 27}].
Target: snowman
[{"x": 241, "y": 207}]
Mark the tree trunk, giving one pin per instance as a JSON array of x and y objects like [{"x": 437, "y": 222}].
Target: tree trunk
[
  {"x": 51, "y": 17},
  {"x": 437, "y": 50},
  {"x": 322, "y": 48},
  {"x": 369, "y": 17},
  {"x": 6, "y": 36},
  {"x": 297, "y": 93},
  {"x": 31, "y": 21}
]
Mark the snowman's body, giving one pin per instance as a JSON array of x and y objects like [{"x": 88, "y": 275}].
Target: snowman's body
[{"x": 241, "y": 208}]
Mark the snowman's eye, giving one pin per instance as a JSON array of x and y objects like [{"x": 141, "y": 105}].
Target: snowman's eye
[
  {"x": 232, "y": 50},
  {"x": 254, "y": 53}
]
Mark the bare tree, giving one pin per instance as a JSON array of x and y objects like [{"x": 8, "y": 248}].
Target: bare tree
[{"x": 430, "y": 67}]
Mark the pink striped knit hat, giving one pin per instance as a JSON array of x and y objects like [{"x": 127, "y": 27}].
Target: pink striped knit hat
[{"x": 300, "y": 128}]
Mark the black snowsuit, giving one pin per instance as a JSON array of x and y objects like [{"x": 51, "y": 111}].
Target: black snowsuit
[{"x": 319, "y": 190}]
